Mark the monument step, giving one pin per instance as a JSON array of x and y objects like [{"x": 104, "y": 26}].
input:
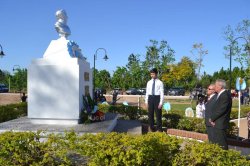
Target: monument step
[
  {"x": 24, "y": 124},
  {"x": 128, "y": 126}
]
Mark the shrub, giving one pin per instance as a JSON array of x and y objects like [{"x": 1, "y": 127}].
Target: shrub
[
  {"x": 129, "y": 112},
  {"x": 12, "y": 111},
  {"x": 171, "y": 120},
  {"x": 232, "y": 131},
  {"x": 103, "y": 107},
  {"x": 122, "y": 149},
  {"x": 179, "y": 112},
  {"x": 192, "y": 124},
  {"x": 243, "y": 112},
  {"x": 195, "y": 153},
  {"x": 25, "y": 148}
]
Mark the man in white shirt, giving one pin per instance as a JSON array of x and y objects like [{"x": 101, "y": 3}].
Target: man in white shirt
[{"x": 154, "y": 100}]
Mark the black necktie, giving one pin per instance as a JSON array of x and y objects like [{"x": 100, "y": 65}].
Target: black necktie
[{"x": 153, "y": 88}]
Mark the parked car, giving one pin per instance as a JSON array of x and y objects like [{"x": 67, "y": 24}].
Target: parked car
[
  {"x": 197, "y": 92},
  {"x": 132, "y": 91},
  {"x": 177, "y": 91},
  {"x": 3, "y": 88},
  {"x": 117, "y": 90},
  {"x": 166, "y": 91},
  {"x": 100, "y": 90},
  {"x": 142, "y": 91}
]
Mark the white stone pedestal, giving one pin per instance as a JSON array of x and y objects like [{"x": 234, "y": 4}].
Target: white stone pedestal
[{"x": 56, "y": 87}]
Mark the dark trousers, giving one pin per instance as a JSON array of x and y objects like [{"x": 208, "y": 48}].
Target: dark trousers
[
  {"x": 210, "y": 133},
  {"x": 153, "y": 103},
  {"x": 220, "y": 138}
]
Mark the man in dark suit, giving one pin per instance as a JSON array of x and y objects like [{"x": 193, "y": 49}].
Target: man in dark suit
[
  {"x": 211, "y": 99},
  {"x": 220, "y": 116}
]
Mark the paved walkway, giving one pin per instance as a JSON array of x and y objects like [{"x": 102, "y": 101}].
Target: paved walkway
[{"x": 128, "y": 126}]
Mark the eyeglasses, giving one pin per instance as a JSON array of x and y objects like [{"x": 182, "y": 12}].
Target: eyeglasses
[{"x": 210, "y": 89}]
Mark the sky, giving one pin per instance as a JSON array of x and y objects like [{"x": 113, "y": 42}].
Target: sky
[{"x": 121, "y": 27}]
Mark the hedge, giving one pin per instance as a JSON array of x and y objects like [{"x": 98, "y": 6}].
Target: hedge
[
  {"x": 243, "y": 112},
  {"x": 204, "y": 154},
  {"x": 129, "y": 112},
  {"x": 174, "y": 119},
  {"x": 12, "y": 111},
  {"x": 177, "y": 121},
  {"x": 111, "y": 149}
]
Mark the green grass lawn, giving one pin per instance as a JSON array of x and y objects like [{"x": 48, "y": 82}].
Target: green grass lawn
[{"x": 183, "y": 104}]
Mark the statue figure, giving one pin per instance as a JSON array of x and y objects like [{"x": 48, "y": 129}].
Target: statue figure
[{"x": 61, "y": 24}]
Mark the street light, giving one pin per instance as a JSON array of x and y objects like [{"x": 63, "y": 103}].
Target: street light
[
  {"x": 16, "y": 67},
  {"x": 1, "y": 52},
  {"x": 95, "y": 58},
  {"x": 230, "y": 54}
]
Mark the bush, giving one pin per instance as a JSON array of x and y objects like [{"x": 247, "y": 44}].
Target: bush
[
  {"x": 243, "y": 112},
  {"x": 25, "y": 148},
  {"x": 12, "y": 111},
  {"x": 177, "y": 121},
  {"x": 171, "y": 120},
  {"x": 103, "y": 107},
  {"x": 129, "y": 112},
  {"x": 192, "y": 124},
  {"x": 195, "y": 153},
  {"x": 179, "y": 112},
  {"x": 122, "y": 149}
]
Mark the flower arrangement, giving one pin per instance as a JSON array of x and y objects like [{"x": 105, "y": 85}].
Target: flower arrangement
[{"x": 90, "y": 110}]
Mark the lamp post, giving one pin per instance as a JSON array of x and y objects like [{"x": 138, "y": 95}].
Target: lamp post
[
  {"x": 15, "y": 68},
  {"x": 230, "y": 54},
  {"x": 95, "y": 58},
  {"x": 1, "y": 52}
]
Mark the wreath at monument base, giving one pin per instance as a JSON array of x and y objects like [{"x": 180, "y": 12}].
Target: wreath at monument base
[
  {"x": 97, "y": 117},
  {"x": 90, "y": 110}
]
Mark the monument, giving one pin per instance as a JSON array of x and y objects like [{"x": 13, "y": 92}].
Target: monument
[{"x": 58, "y": 81}]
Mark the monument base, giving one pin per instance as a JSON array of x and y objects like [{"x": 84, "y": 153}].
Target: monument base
[
  {"x": 56, "y": 88},
  {"x": 25, "y": 124},
  {"x": 55, "y": 121}
]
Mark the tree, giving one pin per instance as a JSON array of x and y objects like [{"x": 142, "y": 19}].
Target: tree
[
  {"x": 19, "y": 80},
  {"x": 224, "y": 74},
  {"x": 133, "y": 60},
  {"x": 199, "y": 52},
  {"x": 103, "y": 79},
  {"x": 159, "y": 55},
  {"x": 206, "y": 80},
  {"x": 240, "y": 48},
  {"x": 121, "y": 78},
  {"x": 4, "y": 76},
  {"x": 180, "y": 74},
  {"x": 134, "y": 70}
]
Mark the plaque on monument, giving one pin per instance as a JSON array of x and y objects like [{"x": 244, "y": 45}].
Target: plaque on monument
[
  {"x": 56, "y": 82},
  {"x": 87, "y": 90},
  {"x": 86, "y": 76}
]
